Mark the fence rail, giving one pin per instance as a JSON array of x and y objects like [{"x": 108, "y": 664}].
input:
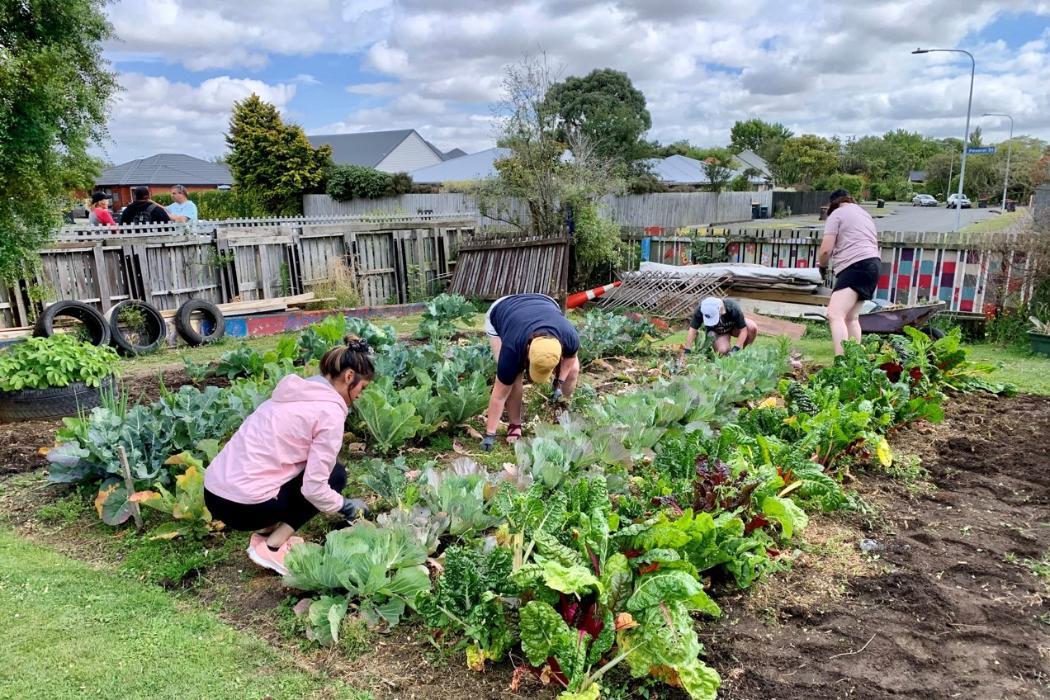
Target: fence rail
[{"x": 393, "y": 259}]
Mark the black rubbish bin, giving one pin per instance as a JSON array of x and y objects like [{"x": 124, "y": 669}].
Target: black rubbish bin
[
  {"x": 756, "y": 210},
  {"x": 1011, "y": 205},
  {"x": 763, "y": 212},
  {"x": 880, "y": 204},
  {"x": 982, "y": 203}
]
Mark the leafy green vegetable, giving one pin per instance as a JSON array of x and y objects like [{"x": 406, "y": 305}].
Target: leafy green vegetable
[
  {"x": 57, "y": 361},
  {"x": 389, "y": 425},
  {"x": 441, "y": 314}
]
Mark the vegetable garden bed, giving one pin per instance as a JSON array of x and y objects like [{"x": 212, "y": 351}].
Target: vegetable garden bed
[{"x": 689, "y": 515}]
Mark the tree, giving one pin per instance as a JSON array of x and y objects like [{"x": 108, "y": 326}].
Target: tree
[
  {"x": 272, "y": 159},
  {"x": 975, "y": 137},
  {"x": 718, "y": 164},
  {"x": 536, "y": 177},
  {"x": 754, "y": 134},
  {"x": 607, "y": 109},
  {"x": 54, "y": 91},
  {"x": 805, "y": 158}
]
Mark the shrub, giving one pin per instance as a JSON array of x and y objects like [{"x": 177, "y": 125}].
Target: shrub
[
  {"x": 348, "y": 182},
  {"x": 854, "y": 184},
  {"x": 740, "y": 183},
  {"x": 398, "y": 184},
  {"x": 61, "y": 360},
  {"x": 221, "y": 204}
]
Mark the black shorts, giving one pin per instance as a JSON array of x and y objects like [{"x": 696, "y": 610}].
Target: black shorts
[
  {"x": 289, "y": 506},
  {"x": 862, "y": 277}
]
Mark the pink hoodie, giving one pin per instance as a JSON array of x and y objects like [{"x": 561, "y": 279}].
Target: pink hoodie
[{"x": 299, "y": 427}]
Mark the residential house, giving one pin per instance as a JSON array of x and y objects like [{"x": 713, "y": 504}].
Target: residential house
[
  {"x": 403, "y": 150},
  {"x": 755, "y": 163},
  {"x": 476, "y": 166},
  {"x": 159, "y": 173}
]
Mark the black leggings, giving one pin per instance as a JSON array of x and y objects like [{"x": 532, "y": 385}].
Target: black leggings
[{"x": 289, "y": 506}]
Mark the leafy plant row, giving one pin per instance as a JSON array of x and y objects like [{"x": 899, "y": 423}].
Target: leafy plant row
[{"x": 593, "y": 551}]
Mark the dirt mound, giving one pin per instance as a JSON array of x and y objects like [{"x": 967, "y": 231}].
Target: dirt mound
[{"x": 951, "y": 606}]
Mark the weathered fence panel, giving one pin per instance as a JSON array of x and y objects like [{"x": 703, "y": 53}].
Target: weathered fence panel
[
  {"x": 394, "y": 259},
  {"x": 799, "y": 202},
  {"x": 492, "y": 267}
]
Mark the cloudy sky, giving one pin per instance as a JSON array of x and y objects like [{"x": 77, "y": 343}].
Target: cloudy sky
[{"x": 436, "y": 65}]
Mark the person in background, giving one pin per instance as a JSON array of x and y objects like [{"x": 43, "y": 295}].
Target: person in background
[
  {"x": 851, "y": 246},
  {"x": 279, "y": 469},
  {"x": 724, "y": 321},
  {"x": 528, "y": 332},
  {"x": 100, "y": 214},
  {"x": 143, "y": 210},
  {"x": 181, "y": 209}
]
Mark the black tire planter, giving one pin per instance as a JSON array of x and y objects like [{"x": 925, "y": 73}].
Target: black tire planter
[
  {"x": 211, "y": 314},
  {"x": 155, "y": 329},
  {"x": 94, "y": 322},
  {"x": 48, "y": 404}
]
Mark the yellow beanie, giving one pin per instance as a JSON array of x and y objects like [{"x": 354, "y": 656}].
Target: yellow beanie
[{"x": 544, "y": 356}]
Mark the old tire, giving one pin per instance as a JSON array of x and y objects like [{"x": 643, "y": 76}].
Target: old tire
[
  {"x": 48, "y": 404},
  {"x": 212, "y": 317},
  {"x": 94, "y": 322},
  {"x": 153, "y": 332}
]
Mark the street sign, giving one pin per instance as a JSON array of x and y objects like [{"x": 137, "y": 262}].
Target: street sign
[{"x": 980, "y": 150}]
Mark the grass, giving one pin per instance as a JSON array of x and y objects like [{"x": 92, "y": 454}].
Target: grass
[
  {"x": 1029, "y": 373},
  {"x": 995, "y": 224},
  {"x": 75, "y": 632}
]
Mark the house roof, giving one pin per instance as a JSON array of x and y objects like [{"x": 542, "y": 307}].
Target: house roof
[
  {"x": 750, "y": 159},
  {"x": 166, "y": 169},
  {"x": 367, "y": 148},
  {"x": 475, "y": 166},
  {"x": 682, "y": 170},
  {"x": 454, "y": 153}
]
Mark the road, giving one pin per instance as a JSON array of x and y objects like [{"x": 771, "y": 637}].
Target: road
[{"x": 940, "y": 219}]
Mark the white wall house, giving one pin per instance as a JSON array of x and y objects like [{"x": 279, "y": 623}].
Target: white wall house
[{"x": 403, "y": 150}]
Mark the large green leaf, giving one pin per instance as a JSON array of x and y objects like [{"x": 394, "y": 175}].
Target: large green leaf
[
  {"x": 389, "y": 425},
  {"x": 114, "y": 504},
  {"x": 671, "y": 587},
  {"x": 568, "y": 579},
  {"x": 783, "y": 510},
  {"x": 699, "y": 680},
  {"x": 544, "y": 633},
  {"x": 616, "y": 581},
  {"x": 325, "y": 616}
]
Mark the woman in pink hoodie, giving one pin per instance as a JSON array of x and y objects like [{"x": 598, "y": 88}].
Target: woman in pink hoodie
[{"x": 279, "y": 469}]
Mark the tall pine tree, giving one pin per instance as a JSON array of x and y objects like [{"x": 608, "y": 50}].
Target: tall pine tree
[{"x": 271, "y": 159}]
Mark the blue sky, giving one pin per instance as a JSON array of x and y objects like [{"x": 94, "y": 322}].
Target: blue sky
[{"x": 356, "y": 65}]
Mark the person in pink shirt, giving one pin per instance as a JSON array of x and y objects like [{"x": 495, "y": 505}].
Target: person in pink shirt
[
  {"x": 851, "y": 245},
  {"x": 279, "y": 469},
  {"x": 100, "y": 215}
]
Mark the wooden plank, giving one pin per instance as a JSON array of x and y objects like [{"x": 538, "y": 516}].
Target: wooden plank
[{"x": 782, "y": 296}]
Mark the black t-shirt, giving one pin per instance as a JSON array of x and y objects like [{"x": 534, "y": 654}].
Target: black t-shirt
[
  {"x": 732, "y": 321},
  {"x": 144, "y": 212},
  {"x": 519, "y": 318}
]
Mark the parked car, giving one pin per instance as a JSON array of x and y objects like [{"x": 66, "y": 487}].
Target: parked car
[
  {"x": 924, "y": 200},
  {"x": 961, "y": 198}
]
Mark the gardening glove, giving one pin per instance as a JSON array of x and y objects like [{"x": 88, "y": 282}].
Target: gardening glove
[
  {"x": 687, "y": 351},
  {"x": 735, "y": 348},
  {"x": 488, "y": 441},
  {"x": 823, "y": 273},
  {"x": 556, "y": 395},
  {"x": 353, "y": 508}
]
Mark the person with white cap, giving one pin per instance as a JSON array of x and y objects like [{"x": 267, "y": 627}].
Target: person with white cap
[
  {"x": 724, "y": 321},
  {"x": 528, "y": 332}
]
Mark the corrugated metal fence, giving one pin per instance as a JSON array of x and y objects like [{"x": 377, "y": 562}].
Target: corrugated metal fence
[
  {"x": 666, "y": 209},
  {"x": 393, "y": 260}
]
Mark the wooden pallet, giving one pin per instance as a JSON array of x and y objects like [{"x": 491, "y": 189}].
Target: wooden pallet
[{"x": 664, "y": 294}]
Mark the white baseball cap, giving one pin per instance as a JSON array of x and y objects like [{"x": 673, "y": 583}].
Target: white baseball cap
[{"x": 711, "y": 310}]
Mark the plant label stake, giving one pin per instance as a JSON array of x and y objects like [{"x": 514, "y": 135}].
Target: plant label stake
[{"x": 129, "y": 484}]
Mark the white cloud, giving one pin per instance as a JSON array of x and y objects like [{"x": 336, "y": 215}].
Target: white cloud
[
  {"x": 306, "y": 79},
  {"x": 819, "y": 67},
  {"x": 154, "y": 115}
]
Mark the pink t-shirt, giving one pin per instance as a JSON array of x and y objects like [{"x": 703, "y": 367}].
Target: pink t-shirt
[{"x": 855, "y": 237}]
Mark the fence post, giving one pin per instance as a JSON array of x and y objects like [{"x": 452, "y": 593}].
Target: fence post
[{"x": 101, "y": 276}]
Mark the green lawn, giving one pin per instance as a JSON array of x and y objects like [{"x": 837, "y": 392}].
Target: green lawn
[
  {"x": 994, "y": 224},
  {"x": 74, "y": 632}
]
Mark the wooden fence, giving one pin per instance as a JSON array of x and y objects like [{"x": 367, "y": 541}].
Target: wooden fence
[
  {"x": 498, "y": 265},
  {"x": 967, "y": 271},
  {"x": 666, "y": 209},
  {"x": 394, "y": 260}
]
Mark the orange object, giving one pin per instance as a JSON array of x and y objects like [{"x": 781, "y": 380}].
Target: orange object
[{"x": 581, "y": 298}]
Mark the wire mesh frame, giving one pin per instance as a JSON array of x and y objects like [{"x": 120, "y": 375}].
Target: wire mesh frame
[{"x": 664, "y": 294}]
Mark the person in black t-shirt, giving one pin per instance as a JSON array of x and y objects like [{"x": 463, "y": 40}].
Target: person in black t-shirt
[
  {"x": 724, "y": 321},
  {"x": 143, "y": 210},
  {"x": 528, "y": 332}
]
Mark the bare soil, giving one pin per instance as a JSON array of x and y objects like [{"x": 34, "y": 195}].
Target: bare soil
[{"x": 946, "y": 607}]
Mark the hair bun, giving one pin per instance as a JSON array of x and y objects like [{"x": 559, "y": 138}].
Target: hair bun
[{"x": 355, "y": 344}]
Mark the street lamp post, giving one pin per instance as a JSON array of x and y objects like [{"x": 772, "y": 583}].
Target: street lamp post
[
  {"x": 966, "y": 133},
  {"x": 1009, "y": 150}
]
